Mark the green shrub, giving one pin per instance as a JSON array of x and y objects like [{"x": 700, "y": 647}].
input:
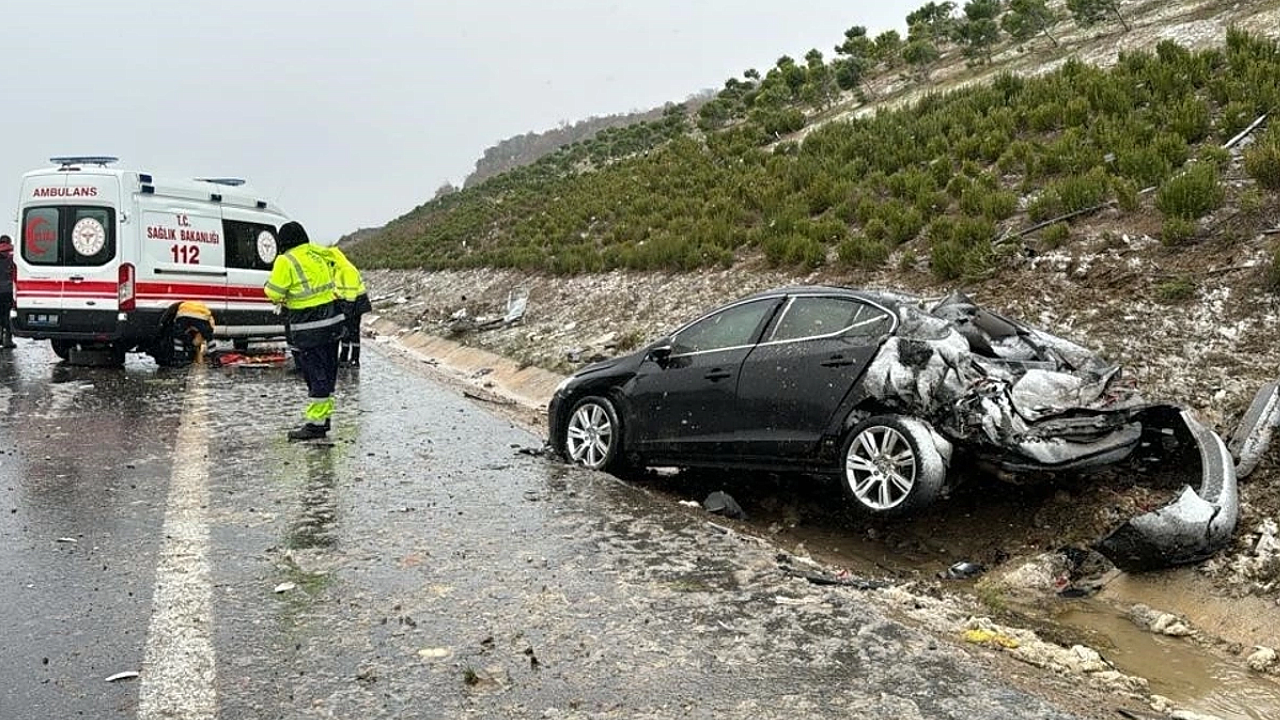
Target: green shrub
[
  {"x": 1145, "y": 165},
  {"x": 1215, "y": 155},
  {"x": 1080, "y": 192},
  {"x": 1262, "y": 163},
  {"x": 1177, "y": 231},
  {"x": 1273, "y": 271},
  {"x": 1190, "y": 118},
  {"x": 1055, "y": 235},
  {"x": 1176, "y": 290},
  {"x": 952, "y": 260},
  {"x": 862, "y": 252},
  {"x": 1192, "y": 194},
  {"x": 1126, "y": 192},
  {"x": 907, "y": 261},
  {"x": 1045, "y": 206},
  {"x": 1236, "y": 116}
]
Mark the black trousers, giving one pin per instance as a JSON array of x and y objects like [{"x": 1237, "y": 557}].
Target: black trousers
[
  {"x": 6, "y": 304},
  {"x": 349, "y": 350},
  {"x": 319, "y": 366}
]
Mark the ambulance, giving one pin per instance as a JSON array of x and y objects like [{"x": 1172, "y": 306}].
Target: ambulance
[{"x": 105, "y": 255}]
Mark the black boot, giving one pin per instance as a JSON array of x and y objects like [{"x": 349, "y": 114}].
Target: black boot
[
  {"x": 354, "y": 358},
  {"x": 309, "y": 431},
  {"x": 344, "y": 352},
  {"x": 8, "y": 338}
]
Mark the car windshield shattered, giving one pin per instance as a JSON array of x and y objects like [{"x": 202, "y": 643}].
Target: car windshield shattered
[{"x": 890, "y": 392}]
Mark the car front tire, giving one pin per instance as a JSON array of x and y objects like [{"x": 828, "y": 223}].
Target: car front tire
[
  {"x": 891, "y": 466},
  {"x": 593, "y": 435}
]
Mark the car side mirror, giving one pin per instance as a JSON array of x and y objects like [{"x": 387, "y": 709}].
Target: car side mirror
[{"x": 660, "y": 354}]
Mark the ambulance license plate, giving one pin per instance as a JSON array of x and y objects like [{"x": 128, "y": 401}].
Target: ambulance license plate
[{"x": 43, "y": 319}]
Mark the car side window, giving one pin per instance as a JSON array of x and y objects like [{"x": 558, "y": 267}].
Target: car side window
[
  {"x": 869, "y": 321},
  {"x": 811, "y": 317},
  {"x": 732, "y": 327}
]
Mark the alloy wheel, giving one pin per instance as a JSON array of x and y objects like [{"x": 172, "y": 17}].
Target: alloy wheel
[
  {"x": 590, "y": 436},
  {"x": 880, "y": 467}
]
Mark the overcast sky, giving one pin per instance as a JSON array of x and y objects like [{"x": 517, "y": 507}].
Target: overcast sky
[{"x": 352, "y": 113}]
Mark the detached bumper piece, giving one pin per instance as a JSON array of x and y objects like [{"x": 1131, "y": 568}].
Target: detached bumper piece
[{"x": 1200, "y": 521}]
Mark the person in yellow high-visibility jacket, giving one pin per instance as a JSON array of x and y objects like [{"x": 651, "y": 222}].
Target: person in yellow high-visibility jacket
[
  {"x": 301, "y": 283},
  {"x": 353, "y": 297}
]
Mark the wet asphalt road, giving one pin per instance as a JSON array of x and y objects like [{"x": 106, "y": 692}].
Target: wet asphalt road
[{"x": 428, "y": 570}]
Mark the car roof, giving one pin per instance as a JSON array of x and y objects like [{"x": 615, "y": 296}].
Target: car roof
[{"x": 889, "y": 300}]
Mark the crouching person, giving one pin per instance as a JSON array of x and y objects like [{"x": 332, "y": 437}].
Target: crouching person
[{"x": 302, "y": 284}]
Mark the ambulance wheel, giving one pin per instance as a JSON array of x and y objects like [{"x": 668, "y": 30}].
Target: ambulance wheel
[
  {"x": 118, "y": 354},
  {"x": 240, "y": 344},
  {"x": 62, "y": 348}
]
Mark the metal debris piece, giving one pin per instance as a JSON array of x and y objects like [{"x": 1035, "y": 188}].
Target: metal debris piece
[
  {"x": 126, "y": 675},
  {"x": 721, "y": 503},
  {"x": 285, "y": 587},
  {"x": 1253, "y": 435},
  {"x": 841, "y": 580},
  {"x": 1193, "y": 527},
  {"x": 963, "y": 570}
]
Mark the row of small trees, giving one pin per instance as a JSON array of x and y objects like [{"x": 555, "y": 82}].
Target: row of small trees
[
  {"x": 776, "y": 100},
  {"x": 937, "y": 180}
]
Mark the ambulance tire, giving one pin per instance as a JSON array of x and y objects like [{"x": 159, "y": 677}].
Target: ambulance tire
[
  {"x": 240, "y": 344},
  {"x": 118, "y": 354},
  {"x": 63, "y": 348}
]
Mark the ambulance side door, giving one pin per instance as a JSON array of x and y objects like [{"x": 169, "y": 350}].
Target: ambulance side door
[
  {"x": 251, "y": 249},
  {"x": 183, "y": 255}
]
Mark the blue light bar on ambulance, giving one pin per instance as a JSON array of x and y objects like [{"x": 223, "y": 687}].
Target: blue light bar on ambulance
[{"x": 83, "y": 160}]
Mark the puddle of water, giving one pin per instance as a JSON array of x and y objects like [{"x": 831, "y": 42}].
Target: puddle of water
[{"x": 1194, "y": 678}]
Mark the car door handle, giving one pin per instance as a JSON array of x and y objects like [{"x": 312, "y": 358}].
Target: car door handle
[
  {"x": 717, "y": 375},
  {"x": 836, "y": 361},
  {"x": 76, "y": 278}
]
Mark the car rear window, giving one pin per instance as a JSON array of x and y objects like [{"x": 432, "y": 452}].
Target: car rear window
[
  {"x": 77, "y": 235},
  {"x": 811, "y": 317}
]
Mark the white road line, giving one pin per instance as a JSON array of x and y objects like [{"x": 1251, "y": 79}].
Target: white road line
[{"x": 178, "y": 673}]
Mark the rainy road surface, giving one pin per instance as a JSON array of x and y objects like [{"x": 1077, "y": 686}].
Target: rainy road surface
[{"x": 425, "y": 569}]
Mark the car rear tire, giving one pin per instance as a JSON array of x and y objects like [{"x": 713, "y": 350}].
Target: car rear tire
[
  {"x": 891, "y": 466},
  {"x": 593, "y": 435},
  {"x": 62, "y": 348}
]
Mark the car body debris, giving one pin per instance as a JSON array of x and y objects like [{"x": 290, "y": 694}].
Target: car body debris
[
  {"x": 963, "y": 570},
  {"x": 722, "y": 503},
  {"x": 890, "y": 390},
  {"x": 126, "y": 675},
  {"x": 461, "y": 322}
]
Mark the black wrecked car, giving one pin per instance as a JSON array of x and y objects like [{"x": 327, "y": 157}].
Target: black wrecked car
[{"x": 888, "y": 391}]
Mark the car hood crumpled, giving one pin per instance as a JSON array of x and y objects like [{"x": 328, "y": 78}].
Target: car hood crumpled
[{"x": 1029, "y": 400}]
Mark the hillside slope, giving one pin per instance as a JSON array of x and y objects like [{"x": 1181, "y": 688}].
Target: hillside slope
[{"x": 938, "y": 179}]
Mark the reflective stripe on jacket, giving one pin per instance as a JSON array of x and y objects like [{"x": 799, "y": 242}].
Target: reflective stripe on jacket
[
  {"x": 301, "y": 278},
  {"x": 346, "y": 277}
]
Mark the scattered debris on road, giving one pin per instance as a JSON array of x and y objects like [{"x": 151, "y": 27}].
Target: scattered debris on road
[
  {"x": 126, "y": 675},
  {"x": 285, "y": 587}
]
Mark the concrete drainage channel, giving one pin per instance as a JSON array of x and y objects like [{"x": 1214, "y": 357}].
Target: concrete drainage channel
[{"x": 1204, "y": 671}]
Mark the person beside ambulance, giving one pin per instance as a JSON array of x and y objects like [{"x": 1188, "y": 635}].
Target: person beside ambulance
[
  {"x": 7, "y": 273},
  {"x": 302, "y": 283},
  {"x": 353, "y": 298}
]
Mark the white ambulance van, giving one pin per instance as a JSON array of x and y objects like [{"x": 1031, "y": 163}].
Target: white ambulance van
[{"x": 105, "y": 255}]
